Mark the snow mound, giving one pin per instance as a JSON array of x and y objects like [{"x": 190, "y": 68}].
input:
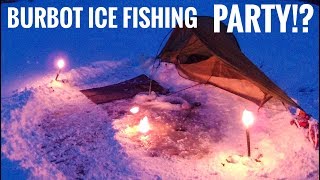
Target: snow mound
[{"x": 161, "y": 102}]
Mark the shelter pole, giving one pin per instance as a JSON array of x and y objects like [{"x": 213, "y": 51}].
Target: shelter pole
[
  {"x": 150, "y": 85},
  {"x": 152, "y": 69},
  {"x": 157, "y": 56}
]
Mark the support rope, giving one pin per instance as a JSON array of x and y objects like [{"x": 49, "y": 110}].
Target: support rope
[{"x": 184, "y": 89}]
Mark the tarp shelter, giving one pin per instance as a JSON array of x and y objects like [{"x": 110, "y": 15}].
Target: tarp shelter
[
  {"x": 122, "y": 90},
  {"x": 216, "y": 58}
]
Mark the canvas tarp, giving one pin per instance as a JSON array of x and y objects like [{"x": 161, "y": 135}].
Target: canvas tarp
[
  {"x": 123, "y": 90},
  {"x": 216, "y": 58}
]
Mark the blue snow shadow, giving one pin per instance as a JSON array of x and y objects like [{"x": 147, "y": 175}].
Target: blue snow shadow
[
  {"x": 11, "y": 169},
  {"x": 16, "y": 101}
]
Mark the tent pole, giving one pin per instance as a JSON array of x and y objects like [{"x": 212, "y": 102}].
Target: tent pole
[
  {"x": 150, "y": 86},
  {"x": 151, "y": 73},
  {"x": 157, "y": 56}
]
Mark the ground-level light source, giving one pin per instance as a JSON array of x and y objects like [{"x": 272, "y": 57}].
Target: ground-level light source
[
  {"x": 60, "y": 65},
  {"x": 247, "y": 119},
  {"x": 134, "y": 109},
  {"x": 144, "y": 125}
]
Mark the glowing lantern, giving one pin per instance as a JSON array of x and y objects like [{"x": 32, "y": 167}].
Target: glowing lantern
[
  {"x": 134, "y": 110},
  {"x": 60, "y": 65},
  {"x": 144, "y": 125},
  {"x": 247, "y": 119}
]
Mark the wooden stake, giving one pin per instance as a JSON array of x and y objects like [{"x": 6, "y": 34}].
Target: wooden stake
[
  {"x": 58, "y": 74},
  {"x": 248, "y": 141}
]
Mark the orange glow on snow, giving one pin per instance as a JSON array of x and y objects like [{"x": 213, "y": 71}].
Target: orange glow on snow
[
  {"x": 60, "y": 63},
  {"x": 247, "y": 118},
  {"x": 56, "y": 84},
  {"x": 144, "y": 125},
  {"x": 134, "y": 110}
]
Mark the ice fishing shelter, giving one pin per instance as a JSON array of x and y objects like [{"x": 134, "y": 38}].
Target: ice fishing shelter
[{"x": 216, "y": 58}]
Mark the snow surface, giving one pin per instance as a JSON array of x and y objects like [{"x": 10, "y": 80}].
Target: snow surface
[
  {"x": 51, "y": 130},
  {"x": 289, "y": 59},
  {"x": 54, "y": 131}
]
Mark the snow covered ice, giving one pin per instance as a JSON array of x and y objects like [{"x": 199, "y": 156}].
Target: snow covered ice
[
  {"x": 53, "y": 131},
  {"x": 56, "y": 132}
]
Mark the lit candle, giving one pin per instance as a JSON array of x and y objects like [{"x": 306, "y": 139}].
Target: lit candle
[
  {"x": 60, "y": 65},
  {"x": 144, "y": 125},
  {"x": 247, "y": 119},
  {"x": 134, "y": 109}
]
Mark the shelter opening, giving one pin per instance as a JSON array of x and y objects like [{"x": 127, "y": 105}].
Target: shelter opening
[{"x": 216, "y": 59}]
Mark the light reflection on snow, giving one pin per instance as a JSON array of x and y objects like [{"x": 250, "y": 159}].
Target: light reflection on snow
[
  {"x": 55, "y": 83},
  {"x": 134, "y": 109}
]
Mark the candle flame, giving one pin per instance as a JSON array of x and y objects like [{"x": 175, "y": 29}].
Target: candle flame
[
  {"x": 134, "y": 109},
  {"x": 144, "y": 125},
  {"x": 247, "y": 118},
  {"x": 60, "y": 63}
]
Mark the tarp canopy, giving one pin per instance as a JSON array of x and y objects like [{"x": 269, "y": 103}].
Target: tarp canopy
[
  {"x": 123, "y": 90},
  {"x": 216, "y": 58}
]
